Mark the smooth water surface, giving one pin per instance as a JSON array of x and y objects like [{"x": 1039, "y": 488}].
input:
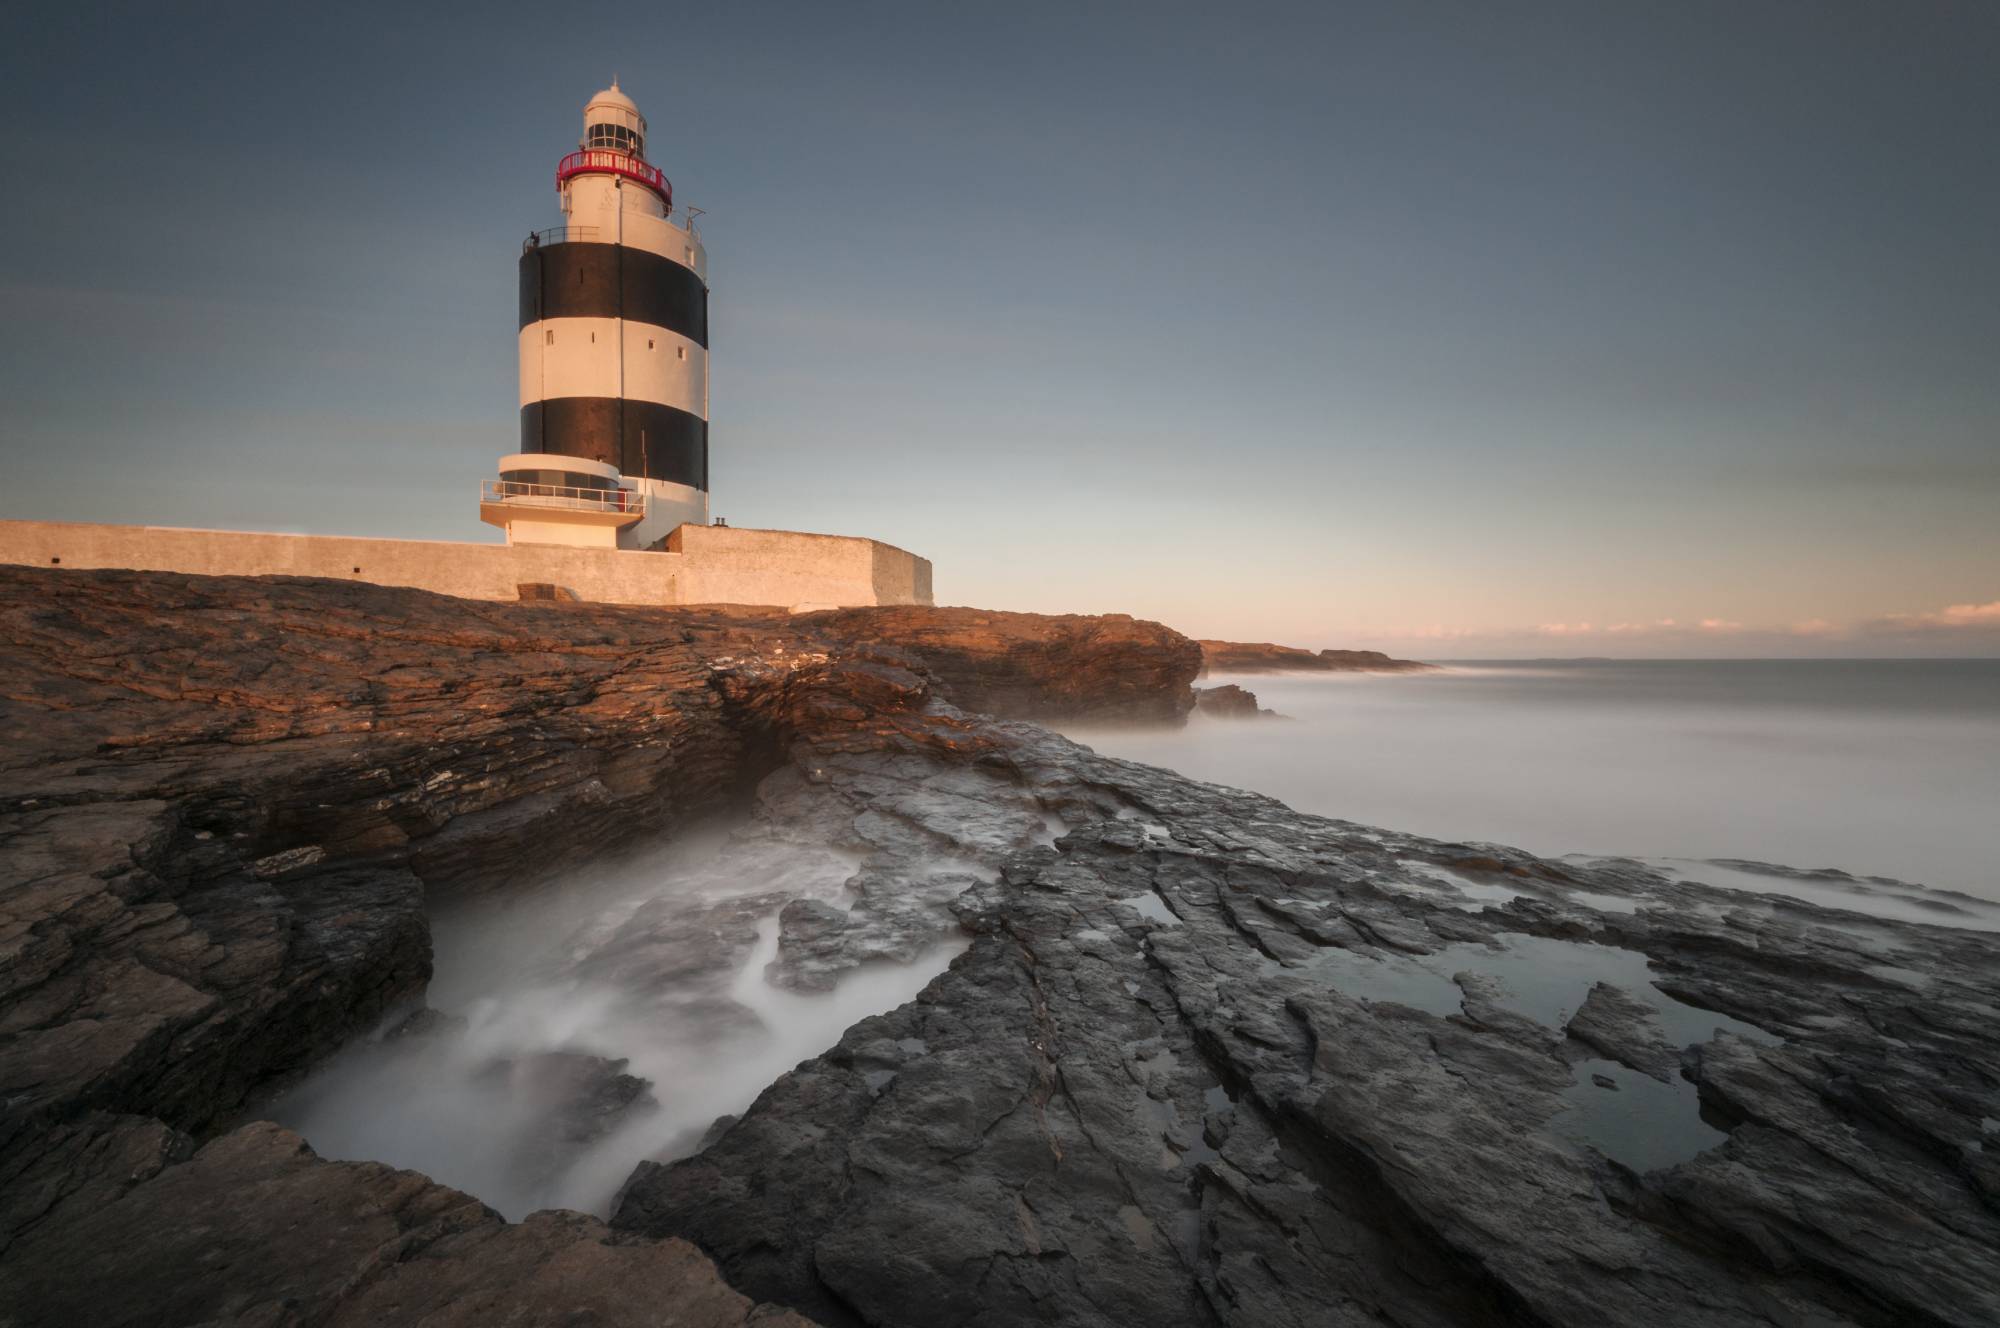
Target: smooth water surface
[{"x": 1887, "y": 768}]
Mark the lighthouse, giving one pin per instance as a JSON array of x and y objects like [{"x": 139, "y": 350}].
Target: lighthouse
[{"x": 614, "y": 354}]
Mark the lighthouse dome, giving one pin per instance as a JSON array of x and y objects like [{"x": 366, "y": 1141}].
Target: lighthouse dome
[
  {"x": 612, "y": 120},
  {"x": 613, "y": 96}
]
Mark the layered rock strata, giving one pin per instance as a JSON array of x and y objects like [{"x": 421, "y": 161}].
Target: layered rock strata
[
  {"x": 1206, "y": 1061},
  {"x": 1212, "y": 1061},
  {"x": 224, "y": 801},
  {"x": 1103, "y": 668}
]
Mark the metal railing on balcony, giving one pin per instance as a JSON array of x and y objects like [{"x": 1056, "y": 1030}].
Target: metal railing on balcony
[
  {"x": 682, "y": 217},
  {"x": 610, "y": 161},
  {"x": 624, "y": 502},
  {"x": 562, "y": 235}
]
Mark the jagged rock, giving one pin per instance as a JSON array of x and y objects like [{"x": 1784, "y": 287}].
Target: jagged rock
[
  {"x": 1625, "y": 1029},
  {"x": 717, "y": 1128},
  {"x": 217, "y": 846},
  {"x": 1206, "y": 1061},
  {"x": 139, "y": 1228},
  {"x": 223, "y": 800},
  {"x": 1264, "y": 657},
  {"x": 1108, "y": 667},
  {"x": 1212, "y": 1061},
  {"x": 1229, "y": 702}
]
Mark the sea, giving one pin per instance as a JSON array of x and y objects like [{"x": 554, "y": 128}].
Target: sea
[{"x": 1884, "y": 768}]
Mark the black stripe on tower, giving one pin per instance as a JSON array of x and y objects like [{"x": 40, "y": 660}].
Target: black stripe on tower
[
  {"x": 638, "y": 437},
  {"x": 612, "y": 281}
]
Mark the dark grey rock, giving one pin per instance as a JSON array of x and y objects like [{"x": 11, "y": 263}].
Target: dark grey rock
[
  {"x": 1327, "y": 1093},
  {"x": 138, "y": 1227},
  {"x": 1625, "y": 1029}
]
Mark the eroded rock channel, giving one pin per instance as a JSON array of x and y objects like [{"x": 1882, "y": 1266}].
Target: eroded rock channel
[{"x": 1202, "y": 1059}]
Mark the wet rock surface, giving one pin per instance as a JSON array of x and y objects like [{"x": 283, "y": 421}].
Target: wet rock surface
[
  {"x": 1206, "y": 1061},
  {"x": 1212, "y": 1061}
]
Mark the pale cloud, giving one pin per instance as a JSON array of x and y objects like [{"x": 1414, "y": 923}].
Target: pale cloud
[
  {"x": 1436, "y": 632},
  {"x": 1951, "y": 618},
  {"x": 1969, "y": 615},
  {"x": 1720, "y": 625}
]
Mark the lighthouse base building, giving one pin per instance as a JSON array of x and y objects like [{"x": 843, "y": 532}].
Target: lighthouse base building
[
  {"x": 606, "y": 496},
  {"x": 698, "y": 565}
]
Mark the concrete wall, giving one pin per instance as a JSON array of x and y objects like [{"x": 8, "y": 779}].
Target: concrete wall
[
  {"x": 728, "y": 565},
  {"x": 704, "y": 564}
]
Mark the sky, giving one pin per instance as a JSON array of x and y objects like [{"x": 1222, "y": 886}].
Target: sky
[{"x": 1455, "y": 330}]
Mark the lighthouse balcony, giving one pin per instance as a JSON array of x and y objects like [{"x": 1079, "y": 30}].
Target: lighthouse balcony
[
  {"x": 542, "y": 498},
  {"x": 504, "y": 500},
  {"x": 609, "y": 161}
]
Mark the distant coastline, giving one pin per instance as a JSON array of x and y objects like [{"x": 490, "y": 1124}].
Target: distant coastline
[{"x": 1265, "y": 657}]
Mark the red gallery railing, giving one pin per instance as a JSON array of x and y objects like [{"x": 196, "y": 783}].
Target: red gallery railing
[{"x": 604, "y": 161}]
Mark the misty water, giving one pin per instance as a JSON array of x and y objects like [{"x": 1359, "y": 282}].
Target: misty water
[
  {"x": 660, "y": 962},
  {"x": 1877, "y": 768}
]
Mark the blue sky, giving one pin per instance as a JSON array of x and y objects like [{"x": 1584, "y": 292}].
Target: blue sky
[{"x": 1602, "y": 329}]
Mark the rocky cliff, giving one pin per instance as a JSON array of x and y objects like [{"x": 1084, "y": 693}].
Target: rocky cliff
[
  {"x": 1264, "y": 657},
  {"x": 1206, "y": 1061},
  {"x": 1109, "y": 668},
  {"x": 223, "y": 803}
]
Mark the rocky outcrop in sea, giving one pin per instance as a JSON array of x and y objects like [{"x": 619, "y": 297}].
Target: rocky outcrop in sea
[
  {"x": 1229, "y": 701},
  {"x": 1206, "y": 1060}
]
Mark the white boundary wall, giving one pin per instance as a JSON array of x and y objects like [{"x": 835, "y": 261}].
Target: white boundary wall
[
  {"x": 704, "y": 565},
  {"x": 727, "y": 565}
]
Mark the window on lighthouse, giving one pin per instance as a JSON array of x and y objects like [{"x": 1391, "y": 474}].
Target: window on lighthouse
[{"x": 617, "y": 138}]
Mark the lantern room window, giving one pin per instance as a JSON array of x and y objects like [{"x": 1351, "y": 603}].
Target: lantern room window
[{"x": 615, "y": 137}]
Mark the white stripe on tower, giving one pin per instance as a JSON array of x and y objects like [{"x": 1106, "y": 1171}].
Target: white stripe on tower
[{"x": 567, "y": 357}]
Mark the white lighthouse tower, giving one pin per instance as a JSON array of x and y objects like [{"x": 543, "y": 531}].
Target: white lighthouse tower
[{"x": 614, "y": 354}]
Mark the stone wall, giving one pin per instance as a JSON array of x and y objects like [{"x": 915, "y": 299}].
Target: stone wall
[{"x": 704, "y": 565}]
